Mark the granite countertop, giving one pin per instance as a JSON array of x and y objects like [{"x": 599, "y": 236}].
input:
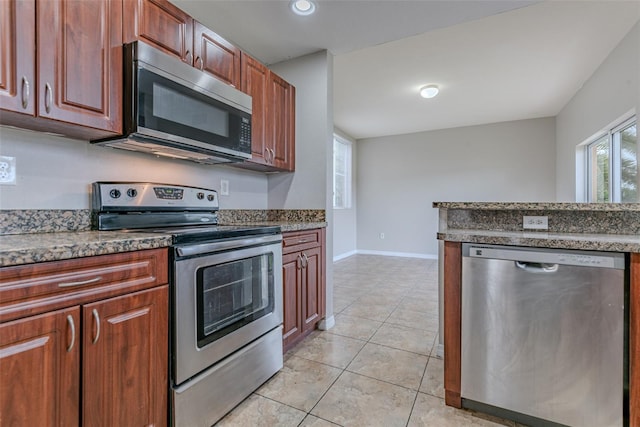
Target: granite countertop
[
  {"x": 285, "y": 226},
  {"x": 539, "y": 206},
  {"x": 16, "y": 249},
  {"x": 584, "y": 241}
]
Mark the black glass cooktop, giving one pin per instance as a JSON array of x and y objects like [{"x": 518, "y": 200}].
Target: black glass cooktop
[{"x": 194, "y": 234}]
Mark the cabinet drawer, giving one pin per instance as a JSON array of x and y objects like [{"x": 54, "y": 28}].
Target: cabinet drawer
[
  {"x": 36, "y": 288},
  {"x": 300, "y": 240}
]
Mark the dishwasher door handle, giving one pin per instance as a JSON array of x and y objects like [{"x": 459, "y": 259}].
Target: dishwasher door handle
[{"x": 537, "y": 267}]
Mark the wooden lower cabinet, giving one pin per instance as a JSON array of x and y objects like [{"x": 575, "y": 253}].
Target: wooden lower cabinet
[
  {"x": 634, "y": 342},
  {"x": 303, "y": 284},
  {"x": 100, "y": 361},
  {"x": 125, "y": 353},
  {"x": 40, "y": 370}
]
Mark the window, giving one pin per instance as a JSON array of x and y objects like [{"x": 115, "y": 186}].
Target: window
[
  {"x": 612, "y": 165},
  {"x": 341, "y": 173}
]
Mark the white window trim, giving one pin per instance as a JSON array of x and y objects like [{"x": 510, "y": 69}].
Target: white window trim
[
  {"x": 614, "y": 143},
  {"x": 348, "y": 175}
]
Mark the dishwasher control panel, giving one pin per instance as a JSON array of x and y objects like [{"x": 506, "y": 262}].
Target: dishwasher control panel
[{"x": 546, "y": 256}]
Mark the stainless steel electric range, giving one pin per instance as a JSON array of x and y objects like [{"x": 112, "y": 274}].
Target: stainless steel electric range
[{"x": 226, "y": 293}]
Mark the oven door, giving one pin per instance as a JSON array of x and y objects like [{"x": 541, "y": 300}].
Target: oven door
[{"x": 226, "y": 294}]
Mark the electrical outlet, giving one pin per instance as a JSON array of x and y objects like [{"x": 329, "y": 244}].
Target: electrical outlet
[
  {"x": 224, "y": 187},
  {"x": 7, "y": 170},
  {"x": 381, "y": 235},
  {"x": 535, "y": 222}
]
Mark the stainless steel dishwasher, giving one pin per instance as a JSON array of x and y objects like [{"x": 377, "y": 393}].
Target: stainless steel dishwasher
[{"x": 544, "y": 335}]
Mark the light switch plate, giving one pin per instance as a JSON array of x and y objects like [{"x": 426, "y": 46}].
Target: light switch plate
[{"x": 224, "y": 187}]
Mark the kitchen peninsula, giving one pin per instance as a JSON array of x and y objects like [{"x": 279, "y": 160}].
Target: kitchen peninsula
[{"x": 600, "y": 228}]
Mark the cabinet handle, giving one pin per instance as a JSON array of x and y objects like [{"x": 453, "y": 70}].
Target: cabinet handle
[
  {"x": 273, "y": 155},
  {"x": 25, "y": 92},
  {"x": 72, "y": 326},
  {"x": 188, "y": 57},
  {"x": 201, "y": 66},
  {"x": 83, "y": 282},
  {"x": 96, "y": 319},
  {"x": 302, "y": 240},
  {"x": 299, "y": 262},
  {"x": 48, "y": 97},
  {"x": 266, "y": 157},
  {"x": 306, "y": 260}
]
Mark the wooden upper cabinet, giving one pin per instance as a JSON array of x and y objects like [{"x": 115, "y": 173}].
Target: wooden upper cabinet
[
  {"x": 76, "y": 48},
  {"x": 255, "y": 76},
  {"x": 272, "y": 120},
  {"x": 216, "y": 55},
  {"x": 160, "y": 24},
  {"x": 125, "y": 372},
  {"x": 17, "y": 56},
  {"x": 40, "y": 370},
  {"x": 281, "y": 117},
  {"x": 80, "y": 62}
]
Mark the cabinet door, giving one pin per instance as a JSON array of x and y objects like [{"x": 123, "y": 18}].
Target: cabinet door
[
  {"x": 292, "y": 296},
  {"x": 39, "y": 370},
  {"x": 125, "y": 360},
  {"x": 281, "y": 112},
  {"x": 161, "y": 24},
  {"x": 17, "y": 55},
  {"x": 80, "y": 62},
  {"x": 312, "y": 288},
  {"x": 215, "y": 55},
  {"x": 254, "y": 82}
]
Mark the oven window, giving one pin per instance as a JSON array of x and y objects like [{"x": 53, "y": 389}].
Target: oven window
[{"x": 233, "y": 294}]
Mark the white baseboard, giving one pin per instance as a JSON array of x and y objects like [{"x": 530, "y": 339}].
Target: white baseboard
[
  {"x": 398, "y": 254},
  {"x": 440, "y": 351},
  {"x": 344, "y": 255},
  {"x": 383, "y": 253},
  {"x": 327, "y": 323}
]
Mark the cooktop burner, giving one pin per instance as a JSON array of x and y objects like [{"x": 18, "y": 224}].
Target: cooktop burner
[{"x": 193, "y": 234}]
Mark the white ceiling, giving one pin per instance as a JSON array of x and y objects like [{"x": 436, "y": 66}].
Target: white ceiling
[{"x": 494, "y": 60}]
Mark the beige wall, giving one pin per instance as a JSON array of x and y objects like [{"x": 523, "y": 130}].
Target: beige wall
[
  {"x": 612, "y": 91},
  {"x": 399, "y": 177},
  {"x": 55, "y": 173},
  {"x": 310, "y": 186},
  {"x": 344, "y": 220}
]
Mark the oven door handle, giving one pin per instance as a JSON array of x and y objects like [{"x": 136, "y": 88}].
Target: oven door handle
[{"x": 218, "y": 246}]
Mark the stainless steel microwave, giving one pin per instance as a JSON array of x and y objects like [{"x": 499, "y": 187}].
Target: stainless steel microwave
[{"x": 172, "y": 109}]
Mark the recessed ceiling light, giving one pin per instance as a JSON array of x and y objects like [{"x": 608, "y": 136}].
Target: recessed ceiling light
[
  {"x": 429, "y": 91},
  {"x": 303, "y": 7}
]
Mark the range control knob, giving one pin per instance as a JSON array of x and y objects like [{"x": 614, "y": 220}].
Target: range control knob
[
  {"x": 115, "y": 193},
  {"x": 132, "y": 192},
  {"x": 210, "y": 197},
  {"x": 200, "y": 196}
]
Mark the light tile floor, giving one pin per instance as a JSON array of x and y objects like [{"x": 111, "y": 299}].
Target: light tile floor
[{"x": 376, "y": 367}]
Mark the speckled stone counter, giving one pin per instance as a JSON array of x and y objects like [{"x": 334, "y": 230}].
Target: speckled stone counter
[
  {"x": 29, "y": 236},
  {"x": 584, "y": 241},
  {"x": 587, "y": 226},
  {"x": 38, "y": 247},
  {"x": 286, "y": 226}
]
